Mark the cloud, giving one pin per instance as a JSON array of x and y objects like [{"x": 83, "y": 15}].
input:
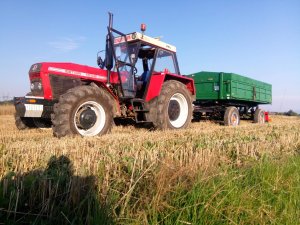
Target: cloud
[{"x": 67, "y": 44}]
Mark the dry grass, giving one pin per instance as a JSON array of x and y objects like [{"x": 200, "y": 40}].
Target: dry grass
[
  {"x": 129, "y": 158},
  {"x": 200, "y": 146},
  {"x": 8, "y": 109}
]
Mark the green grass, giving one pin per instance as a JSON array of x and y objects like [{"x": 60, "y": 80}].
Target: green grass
[
  {"x": 266, "y": 193},
  {"x": 263, "y": 192}
]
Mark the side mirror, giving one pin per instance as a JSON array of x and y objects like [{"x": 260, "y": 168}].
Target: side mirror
[{"x": 100, "y": 62}]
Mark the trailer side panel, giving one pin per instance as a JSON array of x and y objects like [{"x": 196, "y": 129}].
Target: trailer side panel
[{"x": 230, "y": 86}]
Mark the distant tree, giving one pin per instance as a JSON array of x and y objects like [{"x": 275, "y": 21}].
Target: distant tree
[{"x": 291, "y": 113}]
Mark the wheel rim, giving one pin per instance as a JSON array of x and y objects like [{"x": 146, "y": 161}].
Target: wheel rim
[
  {"x": 234, "y": 119},
  {"x": 89, "y": 119},
  {"x": 178, "y": 110}
]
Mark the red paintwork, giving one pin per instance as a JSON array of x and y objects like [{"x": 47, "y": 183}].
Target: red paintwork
[
  {"x": 157, "y": 79},
  {"x": 154, "y": 85},
  {"x": 34, "y": 75},
  {"x": 70, "y": 70}
]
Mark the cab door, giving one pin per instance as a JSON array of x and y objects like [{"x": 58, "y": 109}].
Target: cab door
[{"x": 125, "y": 56}]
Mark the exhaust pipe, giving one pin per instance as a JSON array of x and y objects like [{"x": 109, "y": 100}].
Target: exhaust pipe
[{"x": 109, "y": 49}]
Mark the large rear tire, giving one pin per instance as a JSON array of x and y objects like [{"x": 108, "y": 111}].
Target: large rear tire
[
  {"x": 174, "y": 106},
  {"x": 231, "y": 116},
  {"x": 259, "y": 116},
  {"x": 83, "y": 110}
]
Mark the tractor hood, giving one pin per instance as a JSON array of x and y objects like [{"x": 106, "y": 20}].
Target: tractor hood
[
  {"x": 70, "y": 70},
  {"x": 55, "y": 78}
]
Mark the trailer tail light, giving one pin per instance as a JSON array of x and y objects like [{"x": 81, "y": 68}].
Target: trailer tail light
[{"x": 267, "y": 119}]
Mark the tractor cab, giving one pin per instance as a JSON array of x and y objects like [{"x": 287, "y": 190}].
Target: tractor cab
[
  {"x": 136, "y": 58},
  {"x": 145, "y": 56}
]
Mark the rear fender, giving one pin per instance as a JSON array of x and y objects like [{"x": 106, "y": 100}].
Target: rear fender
[{"x": 156, "y": 81}]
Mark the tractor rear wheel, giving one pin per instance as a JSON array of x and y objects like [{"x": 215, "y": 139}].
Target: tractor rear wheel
[
  {"x": 259, "y": 116},
  {"x": 231, "y": 116},
  {"x": 83, "y": 110},
  {"x": 174, "y": 106}
]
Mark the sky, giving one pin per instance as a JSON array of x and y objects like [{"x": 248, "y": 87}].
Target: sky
[{"x": 259, "y": 38}]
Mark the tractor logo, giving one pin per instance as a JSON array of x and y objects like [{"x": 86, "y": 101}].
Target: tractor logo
[{"x": 34, "y": 67}]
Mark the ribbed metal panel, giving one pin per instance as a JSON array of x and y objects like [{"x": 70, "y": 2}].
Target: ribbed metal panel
[
  {"x": 230, "y": 86},
  {"x": 61, "y": 84}
]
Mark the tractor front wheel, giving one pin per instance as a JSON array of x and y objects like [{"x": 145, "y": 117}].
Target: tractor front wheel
[
  {"x": 23, "y": 123},
  {"x": 84, "y": 110},
  {"x": 174, "y": 106}
]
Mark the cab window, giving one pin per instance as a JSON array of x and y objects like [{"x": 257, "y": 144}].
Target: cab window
[{"x": 165, "y": 62}]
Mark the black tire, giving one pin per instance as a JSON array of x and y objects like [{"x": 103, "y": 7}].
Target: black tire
[
  {"x": 231, "y": 116},
  {"x": 173, "y": 108},
  {"x": 23, "y": 123},
  {"x": 259, "y": 116},
  {"x": 83, "y": 110}
]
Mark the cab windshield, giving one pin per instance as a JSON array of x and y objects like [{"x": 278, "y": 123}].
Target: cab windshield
[{"x": 126, "y": 53}]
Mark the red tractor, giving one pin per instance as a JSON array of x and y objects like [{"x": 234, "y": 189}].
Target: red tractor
[{"x": 139, "y": 78}]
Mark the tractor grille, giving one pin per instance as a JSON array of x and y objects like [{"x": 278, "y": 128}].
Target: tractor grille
[{"x": 61, "y": 84}]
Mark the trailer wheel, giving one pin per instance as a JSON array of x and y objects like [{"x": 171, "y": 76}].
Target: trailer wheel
[
  {"x": 259, "y": 116},
  {"x": 174, "y": 106},
  {"x": 23, "y": 123},
  {"x": 231, "y": 116},
  {"x": 83, "y": 110}
]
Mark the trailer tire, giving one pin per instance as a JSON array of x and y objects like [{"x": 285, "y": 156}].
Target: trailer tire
[
  {"x": 23, "y": 123},
  {"x": 231, "y": 116},
  {"x": 259, "y": 116},
  {"x": 173, "y": 106},
  {"x": 83, "y": 110}
]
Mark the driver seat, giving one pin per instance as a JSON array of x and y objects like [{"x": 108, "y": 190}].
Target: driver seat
[{"x": 141, "y": 83}]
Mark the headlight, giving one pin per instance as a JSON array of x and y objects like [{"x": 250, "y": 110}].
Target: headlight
[
  {"x": 39, "y": 85},
  {"x": 36, "y": 86}
]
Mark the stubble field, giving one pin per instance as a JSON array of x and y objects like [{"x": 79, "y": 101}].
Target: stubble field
[{"x": 206, "y": 174}]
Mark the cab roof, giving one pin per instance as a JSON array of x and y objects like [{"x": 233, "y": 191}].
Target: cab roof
[{"x": 136, "y": 36}]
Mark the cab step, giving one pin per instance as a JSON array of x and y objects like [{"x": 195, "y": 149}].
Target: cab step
[{"x": 140, "y": 110}]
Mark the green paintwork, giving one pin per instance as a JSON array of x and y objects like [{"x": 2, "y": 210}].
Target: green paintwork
[{"x": 230, "y": 86}]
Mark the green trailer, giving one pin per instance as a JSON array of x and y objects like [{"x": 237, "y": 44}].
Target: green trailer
[{"x": 230, "y": 96}]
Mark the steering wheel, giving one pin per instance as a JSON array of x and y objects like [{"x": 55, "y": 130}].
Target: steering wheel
[{"x": 134, "y": 69}]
